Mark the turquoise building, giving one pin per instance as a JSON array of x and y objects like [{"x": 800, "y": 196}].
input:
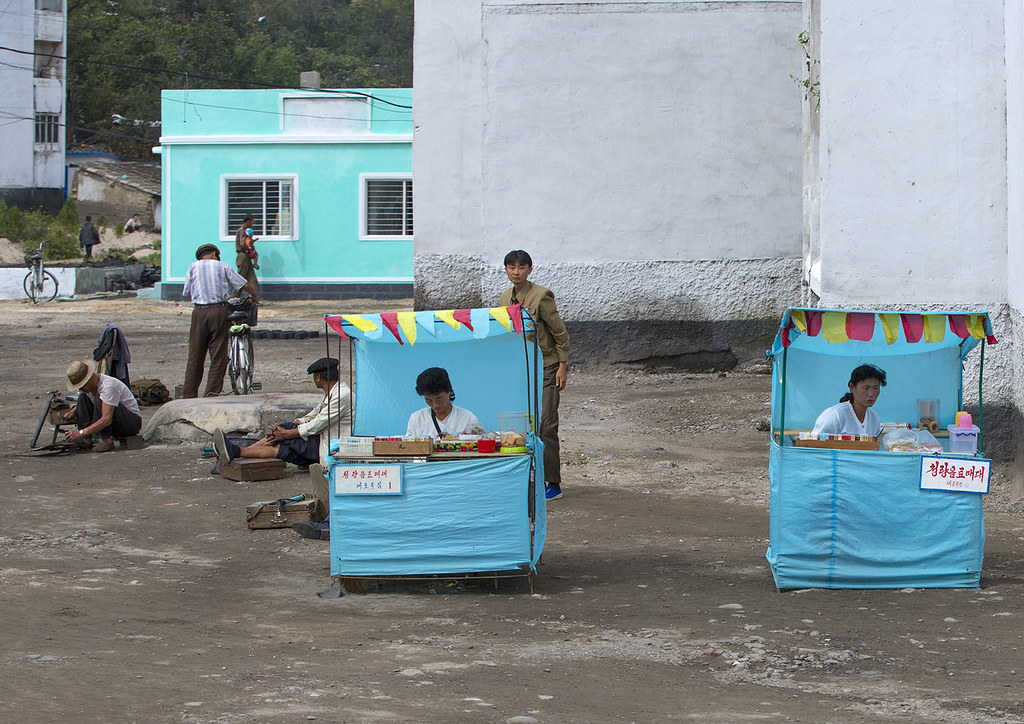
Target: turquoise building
[{"x": 326, "y": 174}]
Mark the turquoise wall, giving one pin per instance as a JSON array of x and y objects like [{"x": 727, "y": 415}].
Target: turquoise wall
[{"x": 328, "y": 248}]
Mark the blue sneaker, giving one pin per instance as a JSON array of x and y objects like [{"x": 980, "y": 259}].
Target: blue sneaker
[{"x": 552, "y": 492}]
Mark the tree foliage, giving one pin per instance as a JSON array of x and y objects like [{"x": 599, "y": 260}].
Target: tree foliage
[{"x": 124, "y": 52}]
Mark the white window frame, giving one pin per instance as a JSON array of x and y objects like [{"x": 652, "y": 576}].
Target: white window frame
[
  {"x": 228, "y": 234},
  {"x": 363, "y": 179}
]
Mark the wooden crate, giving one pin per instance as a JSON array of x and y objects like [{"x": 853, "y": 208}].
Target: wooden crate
[
  {"x": 245, "y": 469},
  {"x": 279, "y": 513}
]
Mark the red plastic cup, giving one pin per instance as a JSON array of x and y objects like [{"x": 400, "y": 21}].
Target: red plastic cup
[{"x": 485, "y": 446}]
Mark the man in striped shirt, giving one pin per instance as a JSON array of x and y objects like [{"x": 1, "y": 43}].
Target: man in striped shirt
[{"x": 209, "y": 283}]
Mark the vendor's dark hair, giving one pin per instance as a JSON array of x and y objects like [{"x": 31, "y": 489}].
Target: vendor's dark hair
[
  {"x": 864, "y": 372},
  {"x": 433, "y": 380},
  {"x": 518, "y": 256}
]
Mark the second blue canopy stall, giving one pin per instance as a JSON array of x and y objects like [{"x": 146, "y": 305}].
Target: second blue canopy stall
[
  {"x": 484, "y": 513},
  {"x": 855, "y": 518}
]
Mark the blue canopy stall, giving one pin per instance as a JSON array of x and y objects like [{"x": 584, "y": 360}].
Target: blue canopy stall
[
  {"x": 453, "y": 514},
  {"x": 843, "y": 518}
]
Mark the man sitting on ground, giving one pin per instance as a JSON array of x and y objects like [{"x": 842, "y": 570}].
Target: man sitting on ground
[
  {"x": 304, "y": 441},
  {"x": 106, "y": 407}
]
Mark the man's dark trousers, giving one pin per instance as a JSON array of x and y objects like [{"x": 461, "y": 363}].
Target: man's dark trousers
[{"x": 208, "y": 334}]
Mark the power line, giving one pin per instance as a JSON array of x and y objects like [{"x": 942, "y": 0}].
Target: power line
[{"x": 187, "y": 75}]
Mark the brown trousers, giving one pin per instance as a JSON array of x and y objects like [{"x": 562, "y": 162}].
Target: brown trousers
[
  {"x": 549, "y": 427},
  {"x": 208, "y": 334}
]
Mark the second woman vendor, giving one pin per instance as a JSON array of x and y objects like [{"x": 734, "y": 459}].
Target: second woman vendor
[
  {"x": 853, "y": 415},
  {"x": 440, "y": 417}
]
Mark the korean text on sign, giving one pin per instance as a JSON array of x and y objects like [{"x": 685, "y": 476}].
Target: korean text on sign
[{"x": 955, "y": 475}]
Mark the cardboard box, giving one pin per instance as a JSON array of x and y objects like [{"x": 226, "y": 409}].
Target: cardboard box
[
  {"x": 245, "y": 469},
  {"x": 402, "y": 448}
]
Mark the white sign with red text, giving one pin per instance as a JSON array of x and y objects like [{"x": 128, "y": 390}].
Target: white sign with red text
[
  {"x": 367, "y": 479},
  {"x": 955, "y": 475}
]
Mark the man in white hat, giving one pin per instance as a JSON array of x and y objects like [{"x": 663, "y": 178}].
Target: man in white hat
[{"x": 106, "y": 407}]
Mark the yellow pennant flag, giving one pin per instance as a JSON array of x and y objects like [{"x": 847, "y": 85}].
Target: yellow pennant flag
[
  {"x": 357, "y": 321},
  {"x": 935, "y": 327},
  {"x": 407, "y": 321},
  {"x": 891, "y": 325},
  {"x": 799, "y": 319},
  {"x": 448, "y": 315},
  {"x": 500, "y": 315},
  {"x": 833, "y": 327},
  {"x": 976, "y": 325}
]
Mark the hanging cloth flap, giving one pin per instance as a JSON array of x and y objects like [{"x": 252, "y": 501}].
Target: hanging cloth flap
[
  {"x": 891, "y": 327},
  {"x": 860, "y": 325},
  {"x": 407, "y": 321},
  {"x": 958, "y": 325},
  {"x": 500, "y": 315},
  {"x": 448, "y": 315},
  {"x": 462, "y": 315},
  {"x": 833, "y": 327},
  {"x": 335, "y": 324},
  {"x": 425, "y": 321},
  {"x": 390, "y": 320},
  {"x": 934, "y": 327},
  {"x": 913, "y": 327}
]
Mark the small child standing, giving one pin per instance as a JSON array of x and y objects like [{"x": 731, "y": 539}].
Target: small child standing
[{"x": 249, "y": 247}]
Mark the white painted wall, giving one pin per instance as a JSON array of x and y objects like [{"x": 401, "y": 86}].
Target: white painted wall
[
  {"x": 913, "y": 193},
  {"x": 597, "y": 135},
  {"x": 12, "y": 281}
]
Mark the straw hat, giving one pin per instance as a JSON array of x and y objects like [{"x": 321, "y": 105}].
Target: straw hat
[{"x": 79, "y": 372}]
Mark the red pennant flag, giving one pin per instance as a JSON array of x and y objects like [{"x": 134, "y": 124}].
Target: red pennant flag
[
  {"x": 516, "y": 315},
  {"x": 785, "y": 334},
  {"x": 390, "y": 320},
  {"x": 813, "y": 322},
  {"x": 860, "y": 325},
  {"x": 958, "y": 325},
  {"x": 913, "y": 327},
  {"x": 462, "y": 315},
  {"x": 335, "y": 324}
]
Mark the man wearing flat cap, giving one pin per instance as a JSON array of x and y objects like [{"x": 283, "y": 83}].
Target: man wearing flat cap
[
  {"x": 209, "y": 283},
  {"x": 106, "y": 407},
  {"x": 304, "y": 441}
]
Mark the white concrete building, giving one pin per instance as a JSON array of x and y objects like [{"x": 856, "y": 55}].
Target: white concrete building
[
  {"x": 32, "y": 102},
  {"x": 646, "y": 154}
]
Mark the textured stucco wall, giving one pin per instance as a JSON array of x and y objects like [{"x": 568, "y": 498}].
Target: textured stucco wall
[
  {"x": 650, "y": 167},
  {"x": 913, "y": 195}
]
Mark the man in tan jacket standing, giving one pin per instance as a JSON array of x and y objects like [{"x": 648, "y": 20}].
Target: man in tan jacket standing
[{"x": 553, "y": 340}]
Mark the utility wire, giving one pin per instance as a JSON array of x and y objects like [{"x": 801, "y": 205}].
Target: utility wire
[{"x": 187, "y": 74}]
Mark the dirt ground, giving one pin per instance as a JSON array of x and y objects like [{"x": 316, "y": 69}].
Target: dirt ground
[{"x": 132, "y": 591}]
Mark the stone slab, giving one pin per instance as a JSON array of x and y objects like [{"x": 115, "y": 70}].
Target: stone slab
[{"x": 238, "y": 416}]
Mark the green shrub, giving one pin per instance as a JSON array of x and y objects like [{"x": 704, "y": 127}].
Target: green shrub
[
  {"x": 29, "y": 228},
  {"x": 101, "y": 222},
  {"x": 118, "y": 230}
]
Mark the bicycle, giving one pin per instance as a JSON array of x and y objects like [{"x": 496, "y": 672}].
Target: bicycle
[
  {"x": 40, "y": 285},
  {"x": 241, "y": 355}
]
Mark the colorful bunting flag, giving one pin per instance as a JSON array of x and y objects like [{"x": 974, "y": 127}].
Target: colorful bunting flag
[
  {"x": 934, "y": 327},
  {"x": 891, "y": 327},
  {"x": 462, "y": 315},
  {"x": 481, "y": 325},
  {"x": 357, "y": 321},
  {"x": 799, "y": 319},
  {"x": 913, "y": 327},
  {"x": 390, "y": 320},
  {"x": 813, "y": 317},
  {"x": 860, "y": 325},
  {"x": 516, "y": 315},
  {"x": 500, "y": 315},
  {"x": 335, "y": 324},
  {"x": 425, "y": 321},
  {"x": 833, "y": 327},
  {"x": 407, "y": 321},
  {"x": 448, "y": 315},
  {"x": 958, "y": 325}
]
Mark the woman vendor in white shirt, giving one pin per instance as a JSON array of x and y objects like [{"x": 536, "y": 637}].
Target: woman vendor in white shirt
[
  {"x": 853, "y": 415},
  {"x": 440, "y": 417}
]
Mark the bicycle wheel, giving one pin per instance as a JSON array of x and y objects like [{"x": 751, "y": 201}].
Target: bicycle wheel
[
  {"x": 30, "y": 286},
  {"x": 245, "y": 367},
  {"x": 47, "y": 290},
  {"x": 233, "y": 364}
]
